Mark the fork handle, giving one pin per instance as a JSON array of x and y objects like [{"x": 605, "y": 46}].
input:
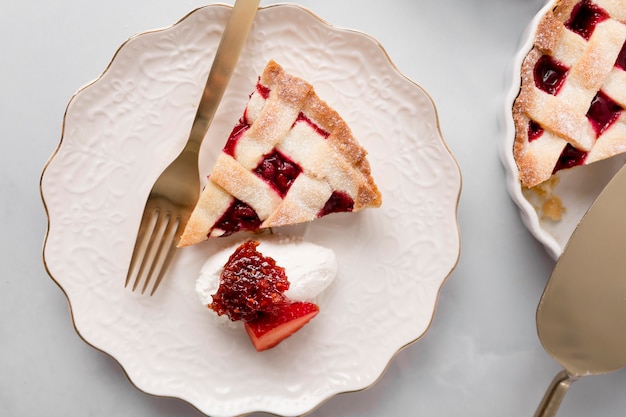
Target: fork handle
[
  {"x": 231, "y": 43},
  {"x": 554, "y": 395}
]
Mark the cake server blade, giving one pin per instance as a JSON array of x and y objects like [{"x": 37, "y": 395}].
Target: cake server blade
[{"x": 581, "y": 317}]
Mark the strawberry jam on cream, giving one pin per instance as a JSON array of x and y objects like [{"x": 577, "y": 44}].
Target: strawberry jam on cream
[
  {"x": 251, "y": 284},
  {"x": 246, "y": 287},
  {"x": 309, "y": 268}
]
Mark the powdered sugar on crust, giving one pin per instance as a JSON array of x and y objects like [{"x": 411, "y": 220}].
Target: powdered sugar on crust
[
  {"x": 563, "y": 115},
  {"x": 285, "y": 114}
]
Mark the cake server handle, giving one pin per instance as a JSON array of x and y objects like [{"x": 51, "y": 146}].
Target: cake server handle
[{"x": 554, "y": 395}]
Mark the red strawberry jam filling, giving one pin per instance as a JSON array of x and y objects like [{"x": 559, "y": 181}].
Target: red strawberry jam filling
[
  {"x": 603, "y": 112},
  {"x": 570, "y": 157},
  {"x": 243, "y": 124},
  {"x": 239, "y": 216},
  {"x": 250, "y": 285},
  {"x": 338, "y": 202},
  {"x": 279, "y": 171},
  {"x": 237, "y": 132},
  {"x": 262, "y": 90},
  {"x": 534, "y": 130},
  {"x": 584, "y": 18},
  {"x": 302, "y": 118},
  {"x": 621, "y": 58},
  {"x": 549, "y": 74}
]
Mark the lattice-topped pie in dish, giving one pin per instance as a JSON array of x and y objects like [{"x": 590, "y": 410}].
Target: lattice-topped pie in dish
[
  {"x": 569, "y": 110},
  {"x": 290, "y": 159}
]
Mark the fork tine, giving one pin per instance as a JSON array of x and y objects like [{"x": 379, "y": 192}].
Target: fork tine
[
  {"x": 154, "y": 248},
  {"x": 149, "y": 255},
  {"x": 181, "y": 200},
  {"x": 163, "y": 250},
  {"x": 146, "y": 228},
  {"x": 173, "y": 231}
]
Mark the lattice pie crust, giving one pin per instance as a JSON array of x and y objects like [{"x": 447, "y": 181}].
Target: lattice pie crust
[
  {"x": 570, "y": 107},
  {"x": 290, "y": 159}
]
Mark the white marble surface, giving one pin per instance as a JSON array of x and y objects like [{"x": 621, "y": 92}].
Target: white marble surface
[{"x": 481, "y": 356}]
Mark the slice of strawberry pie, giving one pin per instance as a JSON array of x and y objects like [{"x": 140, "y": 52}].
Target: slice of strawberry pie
[{"x": 290, "y": 159}]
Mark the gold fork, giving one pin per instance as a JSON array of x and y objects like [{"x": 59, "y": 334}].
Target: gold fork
[{"x": 177, "y": 189}]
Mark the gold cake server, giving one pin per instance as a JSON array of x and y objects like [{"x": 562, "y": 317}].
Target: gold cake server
[{"x": 581, "y": 318}]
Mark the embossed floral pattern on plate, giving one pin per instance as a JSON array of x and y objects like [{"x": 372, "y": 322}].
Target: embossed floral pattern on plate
[{"x": 123, "y": 129}]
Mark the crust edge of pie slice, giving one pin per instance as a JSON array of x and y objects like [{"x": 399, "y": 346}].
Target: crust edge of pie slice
[{"x": 290, "y": 159}]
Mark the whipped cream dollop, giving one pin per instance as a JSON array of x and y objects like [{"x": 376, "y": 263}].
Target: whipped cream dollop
[{"x": 310, "y": 268}]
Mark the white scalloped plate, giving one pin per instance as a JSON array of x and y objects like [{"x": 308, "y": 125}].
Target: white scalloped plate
[
  {"x": 577, "y": 187},
  {"x": 122, "y": 130}
]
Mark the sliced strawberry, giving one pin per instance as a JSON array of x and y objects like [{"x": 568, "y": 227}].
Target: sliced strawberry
[{"x": 270, "y": 329}]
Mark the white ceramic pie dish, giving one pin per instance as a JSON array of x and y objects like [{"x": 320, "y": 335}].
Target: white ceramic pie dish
[
  {"x": 577, "y": 188},
  {"x": 120, "y": 132}
]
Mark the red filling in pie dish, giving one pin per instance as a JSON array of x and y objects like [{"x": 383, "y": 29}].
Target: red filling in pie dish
[{"x": 550, "y": 75}]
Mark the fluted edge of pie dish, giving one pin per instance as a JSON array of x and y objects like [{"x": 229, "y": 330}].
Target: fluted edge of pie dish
[
  {"x": 528, "y": 213},
  {"x": 63, "y": 132}
]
